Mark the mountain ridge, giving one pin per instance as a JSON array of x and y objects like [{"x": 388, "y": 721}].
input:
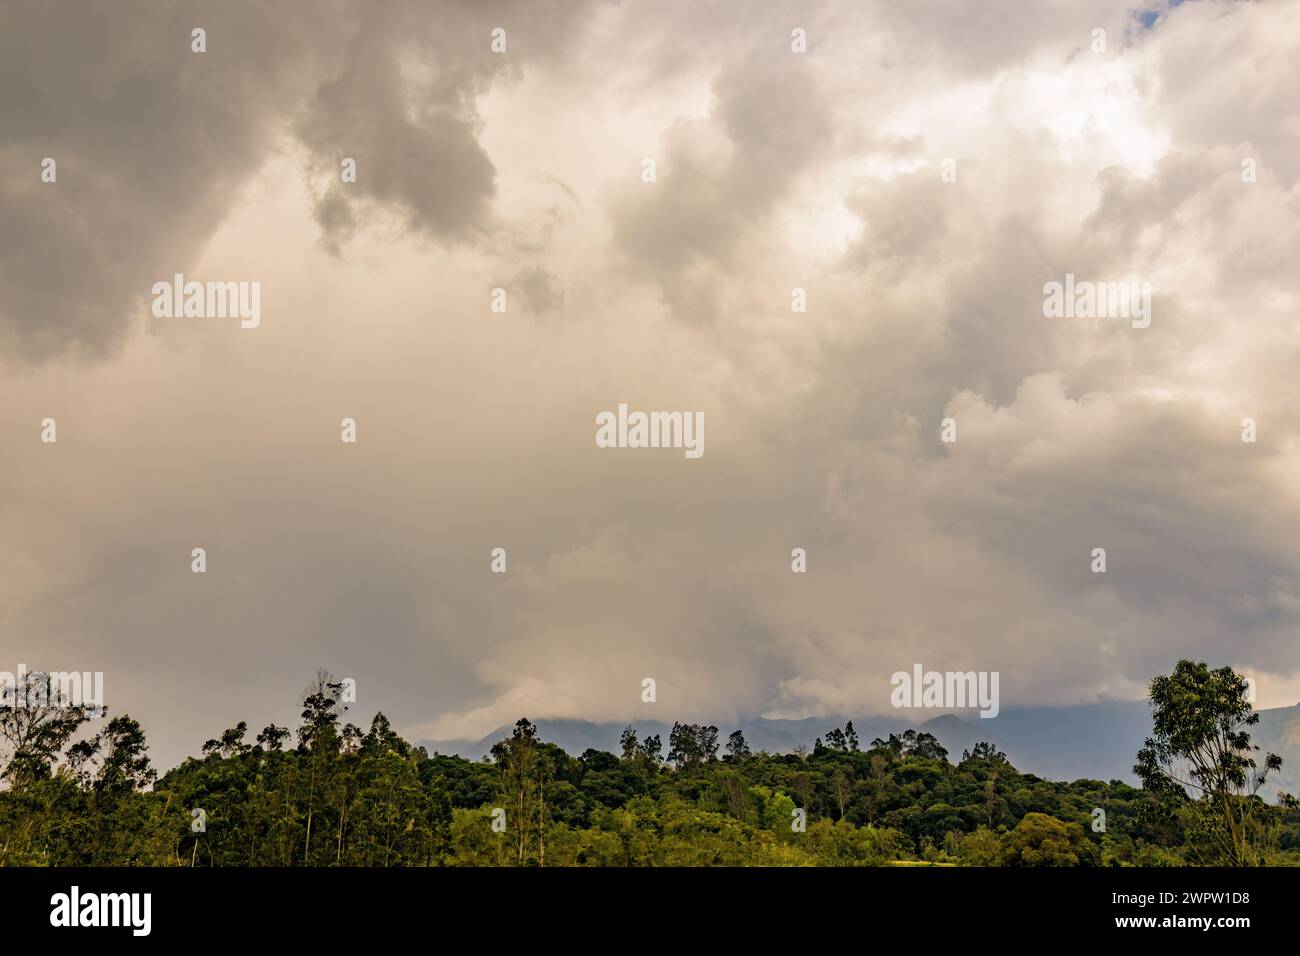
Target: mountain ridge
[{"x": 1096, "y": 741}]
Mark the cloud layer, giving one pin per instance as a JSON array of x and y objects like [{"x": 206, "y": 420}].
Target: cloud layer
[{"x": 775, "y": 170}]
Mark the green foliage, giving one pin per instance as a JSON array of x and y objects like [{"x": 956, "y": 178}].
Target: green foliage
[
  {"x": 1201, "y": 763},
  {"x": 1040, "y": 840},
  {"x": 343, "y": 797}
]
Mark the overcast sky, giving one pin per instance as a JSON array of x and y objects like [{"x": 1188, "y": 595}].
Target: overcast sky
[{"x": 523, "y": 170}]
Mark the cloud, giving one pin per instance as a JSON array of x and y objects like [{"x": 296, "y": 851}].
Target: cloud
[
  {"x": 154, "y": 142},
  {"x": 777, "y": 170},
  {"x": 540, "y": 290},
  {"x": 721, "y": 179}
]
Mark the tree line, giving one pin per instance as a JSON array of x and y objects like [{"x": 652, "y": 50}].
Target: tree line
[{"x": 329, "y": 793}]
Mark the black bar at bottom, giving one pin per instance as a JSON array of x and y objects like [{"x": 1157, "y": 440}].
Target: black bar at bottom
[{"x": 332, "y": 904}]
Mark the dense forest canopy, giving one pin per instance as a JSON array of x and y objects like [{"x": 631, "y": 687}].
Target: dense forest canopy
[{"x": 330, "y": 793}]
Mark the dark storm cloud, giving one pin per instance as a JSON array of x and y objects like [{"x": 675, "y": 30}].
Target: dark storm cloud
[
  {"x": 154, "y": 142},
  {"x": 402, "y": 104}
]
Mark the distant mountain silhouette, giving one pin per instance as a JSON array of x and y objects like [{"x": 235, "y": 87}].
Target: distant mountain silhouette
[{"x": 1093, "y": 741}]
